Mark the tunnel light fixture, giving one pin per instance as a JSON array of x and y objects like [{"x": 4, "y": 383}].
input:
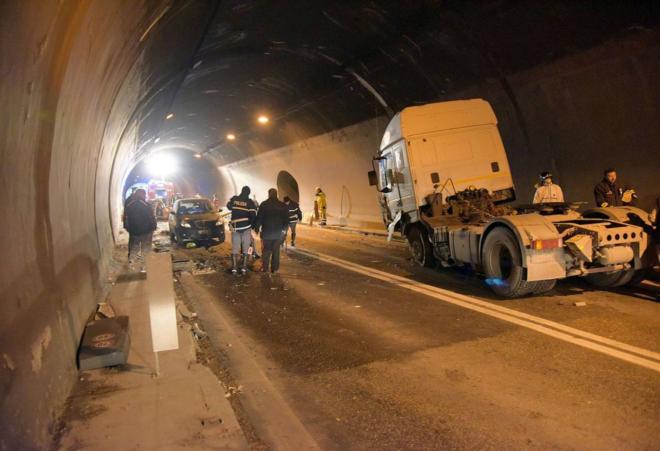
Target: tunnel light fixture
[
  {"x": 198, "y": 155},
  {"x": 231, "y": 136},
  {"x": 161, "y": 165},
  {"x": 169, "y": 116},
  {"x": 156, "y": 140},
  {"x": 263, "y": 119}
]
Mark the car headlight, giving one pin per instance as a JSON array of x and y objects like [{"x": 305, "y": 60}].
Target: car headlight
[{"x": 185, "y": 224}]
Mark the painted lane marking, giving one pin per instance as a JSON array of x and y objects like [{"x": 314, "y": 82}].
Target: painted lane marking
[{"x": 632, "y": 354}]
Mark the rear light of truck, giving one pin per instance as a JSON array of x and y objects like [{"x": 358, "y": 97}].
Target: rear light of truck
[{"x": 540, "y": 245}]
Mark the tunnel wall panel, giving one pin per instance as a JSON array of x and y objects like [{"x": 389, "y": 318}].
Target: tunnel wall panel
[
  {"x": 582, "y": 114},
  {"x": 338, "y": 162}
]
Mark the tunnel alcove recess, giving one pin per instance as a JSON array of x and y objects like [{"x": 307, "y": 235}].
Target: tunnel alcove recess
[{"x": 287, "y": 186}]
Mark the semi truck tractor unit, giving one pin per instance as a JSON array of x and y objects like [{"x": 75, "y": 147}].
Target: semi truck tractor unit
[{"x": 444, "y": 182}]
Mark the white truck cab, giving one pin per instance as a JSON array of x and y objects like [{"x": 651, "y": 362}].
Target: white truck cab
[{"x": 444, "y": 182}]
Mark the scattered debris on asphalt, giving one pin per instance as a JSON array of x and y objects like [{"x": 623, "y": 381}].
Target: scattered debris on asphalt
[
  {"x": 203, "y": 267},
  {"x": 184, "y": 311},
  {"x": 198, "y": 332},
  {"x": 104, "y": 310},
  {"x": 231, "y": 391}
]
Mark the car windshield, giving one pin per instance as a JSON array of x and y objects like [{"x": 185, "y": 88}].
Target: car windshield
[{"x": 192, "y": 207}]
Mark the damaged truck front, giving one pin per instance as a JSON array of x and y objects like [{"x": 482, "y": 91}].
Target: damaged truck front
[{"x": 444, "y": 182}]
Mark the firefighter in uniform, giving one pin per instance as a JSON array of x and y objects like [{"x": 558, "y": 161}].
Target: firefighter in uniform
[
  {"x": 320, "y": 206},
  {"x": 243, "y": 214},
  {"x": 546, "y": 191},
  {"x": 295, "y": 216}
]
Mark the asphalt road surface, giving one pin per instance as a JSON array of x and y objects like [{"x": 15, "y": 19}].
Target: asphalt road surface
[{"x": 351, "y": 346}]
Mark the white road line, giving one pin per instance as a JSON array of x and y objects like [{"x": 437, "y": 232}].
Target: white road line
[{"x": 632, "y": 354}]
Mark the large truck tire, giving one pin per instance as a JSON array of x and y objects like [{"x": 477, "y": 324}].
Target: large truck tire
[
  {"x": 502, "y": 263},
  {"x": 420, "y": 247},
  {"x": 611, "y": 279},
  {"x": 543, "y": 286}
]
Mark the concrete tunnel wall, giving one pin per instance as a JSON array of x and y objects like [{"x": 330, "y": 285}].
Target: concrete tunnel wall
[{"x": 72, "y": 81}]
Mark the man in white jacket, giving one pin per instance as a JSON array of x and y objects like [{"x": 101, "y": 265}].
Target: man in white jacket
[{"x": 546, "y": 191}]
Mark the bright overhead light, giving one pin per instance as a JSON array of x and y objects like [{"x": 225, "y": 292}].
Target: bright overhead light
[
  {"x": 161, "y": 164},
  {"x": 231, "y": 136},
  {"x": 263, "y": 119},
  {"x": 169, "y": 116},
  {"x": 198, "y": 155},
  {"x": 157, "y": 139}
]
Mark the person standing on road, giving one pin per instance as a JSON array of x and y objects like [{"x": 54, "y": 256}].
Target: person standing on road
[
  {"x": 140, "y": 222},
  {"x": 606, "y": 192},
  {"x": 272, "y": 221},
  {"x": 320, "y": 206},
  {"x": 253, "y": 243},
  {"x": 243, "y": 213},
  {"x": 295, "y": 216},
  {"x": 546, "y": 191}
]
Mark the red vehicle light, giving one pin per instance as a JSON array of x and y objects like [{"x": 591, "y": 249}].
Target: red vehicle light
[{"x": 546, "y": 244}]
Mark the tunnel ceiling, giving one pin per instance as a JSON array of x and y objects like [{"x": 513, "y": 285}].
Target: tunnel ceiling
[{"x": 316, "y": 66}]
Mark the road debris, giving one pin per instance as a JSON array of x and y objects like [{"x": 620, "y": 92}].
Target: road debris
[
  {"x": 104, "y": 310},
  {"x": 231, "y": 391},
  {"x": 203, "y": 267},
  {"x": 198, "y": 332},
  {"x": 184, "y": 311}
]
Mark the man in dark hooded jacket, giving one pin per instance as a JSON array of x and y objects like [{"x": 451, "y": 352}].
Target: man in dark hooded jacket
[
  {"x": 140, "y": 222},
  {"x": 243, "y": 213},
  {"x": 272, "y": 220}
]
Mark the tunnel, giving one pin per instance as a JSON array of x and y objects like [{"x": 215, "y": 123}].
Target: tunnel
[{"x": 291, "y": 95}]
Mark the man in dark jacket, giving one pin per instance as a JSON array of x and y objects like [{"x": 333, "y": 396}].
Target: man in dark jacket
[
  {"x": 140, "y": 222},
  {"x": 295, "y": 216},
  {"x": 606, "y": 192},
  {"x": 272, "y": 220},
  {"x": 243, "y": 213}
]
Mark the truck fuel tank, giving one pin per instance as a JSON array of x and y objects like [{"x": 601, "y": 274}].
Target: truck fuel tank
[{"x": 614, "y": 255}]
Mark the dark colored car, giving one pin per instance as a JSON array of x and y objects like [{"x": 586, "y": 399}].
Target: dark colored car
[{"x": 195, "y": 220}]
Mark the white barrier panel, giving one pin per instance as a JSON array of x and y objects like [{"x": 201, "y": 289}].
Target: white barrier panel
[{"x": 162, "y": 309}]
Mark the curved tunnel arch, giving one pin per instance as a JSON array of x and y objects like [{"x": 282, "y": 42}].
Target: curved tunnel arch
[{"x": 81, "y": 108}]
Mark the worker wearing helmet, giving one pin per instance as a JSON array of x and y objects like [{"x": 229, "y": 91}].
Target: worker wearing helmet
[
  {"x": 546, "y": 191},
  {"x": 320, "y": 206}
]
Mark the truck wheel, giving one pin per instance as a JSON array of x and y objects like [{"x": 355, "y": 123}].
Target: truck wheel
[
  {"x": 543, "y": 286},
  {"x": 502, "y": 263},
  {"x": 420, "y": 247},
  {"x": 611, "y": 279}
]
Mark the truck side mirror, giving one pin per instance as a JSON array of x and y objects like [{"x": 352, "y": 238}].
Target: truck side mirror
[
  {"x": 373, "y": 180},
  {"x": 435, "y": 178}
]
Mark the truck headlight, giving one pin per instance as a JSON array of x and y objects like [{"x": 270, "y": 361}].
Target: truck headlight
[
  {"x": 185, "y": 224},
  {"x": 219, "y": 223}
]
